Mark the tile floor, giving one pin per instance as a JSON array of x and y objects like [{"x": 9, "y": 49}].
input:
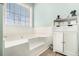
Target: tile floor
[{"x": 49, "y": 52}]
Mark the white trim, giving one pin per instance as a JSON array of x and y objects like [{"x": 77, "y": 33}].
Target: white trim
[
  {"x": 31, "y": 20},
  {"x": 3, "y": 29},
  {"x": 24, "y": 5}
]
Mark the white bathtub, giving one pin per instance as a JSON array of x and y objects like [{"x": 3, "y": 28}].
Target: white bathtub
[{"x": 33, "y": 45}]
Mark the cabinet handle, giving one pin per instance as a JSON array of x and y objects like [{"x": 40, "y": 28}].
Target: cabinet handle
[{"x": 70, "y": 25}]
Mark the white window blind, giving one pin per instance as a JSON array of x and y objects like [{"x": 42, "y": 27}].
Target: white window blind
[{"x": 17, "y": 14}]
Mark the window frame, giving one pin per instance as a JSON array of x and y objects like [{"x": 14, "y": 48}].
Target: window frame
[{"x": 23, "y": 5}]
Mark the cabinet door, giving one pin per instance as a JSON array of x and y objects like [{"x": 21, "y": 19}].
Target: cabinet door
[
  {"x": 70, "y": 45},
  {"x": 58, "y": 42}
]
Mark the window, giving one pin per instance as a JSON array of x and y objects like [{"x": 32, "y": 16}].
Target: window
[{"x": 17, "y": 14}]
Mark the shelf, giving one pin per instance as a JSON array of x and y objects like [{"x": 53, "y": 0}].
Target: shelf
[
  {"x": 35, "y": 45},
  {"x": 66, "y": 19}
]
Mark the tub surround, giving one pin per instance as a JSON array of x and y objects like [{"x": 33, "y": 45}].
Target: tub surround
[{"x": 10, "y": 43}]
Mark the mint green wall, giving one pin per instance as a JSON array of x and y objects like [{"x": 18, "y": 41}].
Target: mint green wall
[
  {"x": 1, "y": 31},
  {"x": 42, "y": 15},
  {"x": 45, "y": 13}
]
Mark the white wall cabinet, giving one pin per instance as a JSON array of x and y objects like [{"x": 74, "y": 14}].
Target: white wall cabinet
[
  {"x": 66, "y": 39},
  {"x": 66, "y": 42}
]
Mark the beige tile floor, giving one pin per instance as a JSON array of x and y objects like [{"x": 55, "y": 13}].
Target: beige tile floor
[{"x": 49, "y": 52}]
